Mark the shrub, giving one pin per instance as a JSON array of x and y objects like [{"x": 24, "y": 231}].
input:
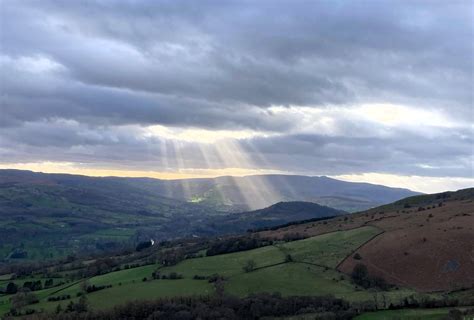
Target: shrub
[
  {"x": 94, "y": 288},
  {"x": 249, "y": 266},
  {"x": 215, "y": 278},
  {"x": 144, "y": 245},
  {"x": 12, "y": 288}
]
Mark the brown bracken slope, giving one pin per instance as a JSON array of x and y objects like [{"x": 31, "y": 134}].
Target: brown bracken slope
[{"x": 427, "y": 241}]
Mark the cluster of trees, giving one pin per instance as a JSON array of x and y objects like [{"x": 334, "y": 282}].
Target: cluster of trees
[
  {"x": 293, "y": 236},
  {"x": 360, "y": 276},
  {"x": 19, "y": 254},
  {"x": 13, "y": 288},
  {"x": 144, "y": 245},
  {"x": 293, "y": 223},
  {"x": 170, "y": 257},
  {"x": 93, "y": 287},
  {"x": 48, "y": 283},
  {"x": 79, "y": 307},
  {"x": 236, "y": 244},
  {"x": 171, "y": 276},
  {"x": 20, "y": 300},
  {"x": 60, "y": 298},
  {"x": 211, "y": 279},
  {"x": 131, "y": 266},
  {"x": 222, "y": 307},
  {"x": 33, "y": 285}
]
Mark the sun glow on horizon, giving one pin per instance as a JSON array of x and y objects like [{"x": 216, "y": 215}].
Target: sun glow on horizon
[
  {"x": 415, "y": 183},
  {"x": 184, "y": 173}
]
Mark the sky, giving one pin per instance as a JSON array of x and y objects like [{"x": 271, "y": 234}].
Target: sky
[{"x": 373, "y": 91}]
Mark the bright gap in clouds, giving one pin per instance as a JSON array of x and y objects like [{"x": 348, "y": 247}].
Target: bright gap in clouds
[
  {"x": 399, "y": 115},
  {"x": 377, "y": 116},
  {"x": 223, "y": 154},
  {"x": 415, "y": 183},
  {"x": 322, "y": 120},
  {"x": 200, "y": 135}
]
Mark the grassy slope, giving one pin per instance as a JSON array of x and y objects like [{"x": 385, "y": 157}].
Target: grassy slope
[
  {"x": 329, "y": 249},
  {"x": 228, "y": 264},
  {"x": 300, "y": 277},
  {"x": 312, "y": 272},
  {"x": 149, "y": 290}
]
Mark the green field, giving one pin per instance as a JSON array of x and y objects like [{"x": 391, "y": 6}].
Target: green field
[
  {"x": 228, "y": 264},
  {"x": 289, "y": 279},
  {"x": 329, "y": 249},
  {"x": 311, "y": 272},
  {"x": 117, "y": 234},
  {"x": 149, "y": 290}
]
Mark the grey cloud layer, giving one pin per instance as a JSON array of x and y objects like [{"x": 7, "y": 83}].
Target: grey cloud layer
[
  {"x": 129, "y": 148},
  {"x": 110, "y": 67}
]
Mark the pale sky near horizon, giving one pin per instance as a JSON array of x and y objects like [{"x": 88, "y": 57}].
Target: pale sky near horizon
[{"x": 370, "y": 91}]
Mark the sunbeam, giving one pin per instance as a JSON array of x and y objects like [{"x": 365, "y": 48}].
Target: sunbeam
[{"x": 256, "y": 193}]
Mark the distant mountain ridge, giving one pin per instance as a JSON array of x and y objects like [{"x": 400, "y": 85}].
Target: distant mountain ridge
[
  {"x": 53, "y": 215},
  {"x": 237, "y": 194},
  {"x": 247, "y": 193},
  {"x": 255, "y": 192}
]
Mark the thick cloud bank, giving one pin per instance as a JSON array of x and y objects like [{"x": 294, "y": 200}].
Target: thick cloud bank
[{"x": 321, "y": 87}]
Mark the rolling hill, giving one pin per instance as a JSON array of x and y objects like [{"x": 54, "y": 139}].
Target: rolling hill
[
  {"x": 53, "y": 215},
  {"x": 274, "y": 215},
  {"x": 420, "y": 246},
  {"x": 255, "y": 192},
  {"x": 425, "y": 241},
  {"x": 48, "y": 216}
]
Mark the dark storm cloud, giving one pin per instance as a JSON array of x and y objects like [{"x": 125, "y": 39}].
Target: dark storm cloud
[
  {"x": 272, "y": 52},
  {"x": 80, "y": 79}
]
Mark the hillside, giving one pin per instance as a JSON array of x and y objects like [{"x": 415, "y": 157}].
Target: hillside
[
  {"x": 415, "y": 256},
  {"x": 224, "y": 194},
  {"x": 54, "y": 215},
  {"x": 256, "y": 192},
  {"x": 426, "y": 241},
  {"x": 274, "y": 215},
  {"x": 49, "y": 216}
]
